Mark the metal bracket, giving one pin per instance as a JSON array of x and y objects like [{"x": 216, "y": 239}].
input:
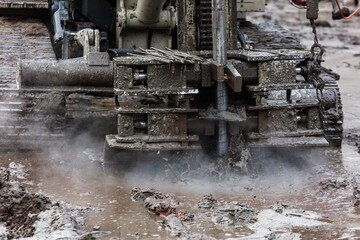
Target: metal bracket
[
  {"x": 60, "y": 14},
  {"x": 234, "y": 78},
  {"x": 90, "y": 40},
  {"x": 217, "y": 72},
  {"x": 98, "y": 59},
  {"x": 312, "y": 10}
]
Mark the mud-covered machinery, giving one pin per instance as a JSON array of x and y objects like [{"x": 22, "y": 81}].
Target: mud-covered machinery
[
  {"x": 188, "y": 75},
  {"x": 217, "y": 91}
]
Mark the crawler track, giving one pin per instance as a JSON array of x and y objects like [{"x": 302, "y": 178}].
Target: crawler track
[
  {"x": 272, "y": 36},
  {"x": 333, "y": 116},
  {"x": 24, "y": 116}
]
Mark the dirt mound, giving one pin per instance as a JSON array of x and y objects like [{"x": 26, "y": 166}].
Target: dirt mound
[
  {"x": 18, "y": 208},
  {"x": 15, "y": 205},
  {"x": 32, "y": 215}
]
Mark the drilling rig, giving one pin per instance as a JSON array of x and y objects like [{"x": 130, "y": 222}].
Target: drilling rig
[{"x": 184, "y": 75}]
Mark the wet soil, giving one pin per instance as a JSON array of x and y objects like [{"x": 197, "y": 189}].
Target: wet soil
[
  {"x": 352, "y": 137},
  {"x": 314, "y": 196},
  {"x": 318, "y": 197},
  {"x": 28, "y": 215},
  {"x": 15, "y": 203}
]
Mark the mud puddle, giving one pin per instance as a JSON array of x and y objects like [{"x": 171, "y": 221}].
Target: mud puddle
[{"x": 291, "y": 202}]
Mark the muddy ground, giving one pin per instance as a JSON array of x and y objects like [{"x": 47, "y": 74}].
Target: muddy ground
[{"x": 65, "y": 193}]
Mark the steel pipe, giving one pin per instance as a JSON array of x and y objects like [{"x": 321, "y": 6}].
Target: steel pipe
[
  {"x": 220, "y": 56},
  {"x": 71, "y": 72},
  {"x": 148, "y": 11},
  {"x": 222, "y": 103},
  {"x": 140, "y": 76},
  {"x": 219, "y": 31},
  {"x": 166, "y": 20}
]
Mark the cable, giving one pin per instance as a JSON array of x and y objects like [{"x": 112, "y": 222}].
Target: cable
[
  {"x": 342, "y": 15},
  {"x": 240, "y": 35}
]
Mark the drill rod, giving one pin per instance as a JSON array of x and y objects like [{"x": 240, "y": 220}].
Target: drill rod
[{"x": 219, "y": 55}]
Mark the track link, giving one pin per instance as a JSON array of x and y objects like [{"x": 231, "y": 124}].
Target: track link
[
  {"x": 333, "y": 116},
  {"x": 25, "y": 121}
]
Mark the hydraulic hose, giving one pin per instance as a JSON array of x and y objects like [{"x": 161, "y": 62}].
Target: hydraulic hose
[
  {"x": 240, "y": 35},
  {"x": 341, "y": 12}
]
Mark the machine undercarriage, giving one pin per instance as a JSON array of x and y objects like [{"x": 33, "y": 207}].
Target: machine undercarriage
[{"x": 153, "y": 76}]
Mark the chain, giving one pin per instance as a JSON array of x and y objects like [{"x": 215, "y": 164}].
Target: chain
[
  {"x": 316, "y": 68},
  {"x": 317, "y": 58},
  {"x": 313, "y": 75}
]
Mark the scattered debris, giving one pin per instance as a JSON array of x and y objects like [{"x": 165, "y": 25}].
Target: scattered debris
[
  {"x": 233, "y": 213},
  {"x": 96, "y": 228},
  {"x": 175, "y": 225},
  {"x": 161, "y": 206},
  {"x": 33, "y": 215},
  {"x": 185, "y": 216},
  {"x": 140, "y": 194},
  {"x": 156, "y": 202},
  {"x": 207, "y": 202},
  {"x": 333, "y": 183},
  {"x": 164, "y": 205}
]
